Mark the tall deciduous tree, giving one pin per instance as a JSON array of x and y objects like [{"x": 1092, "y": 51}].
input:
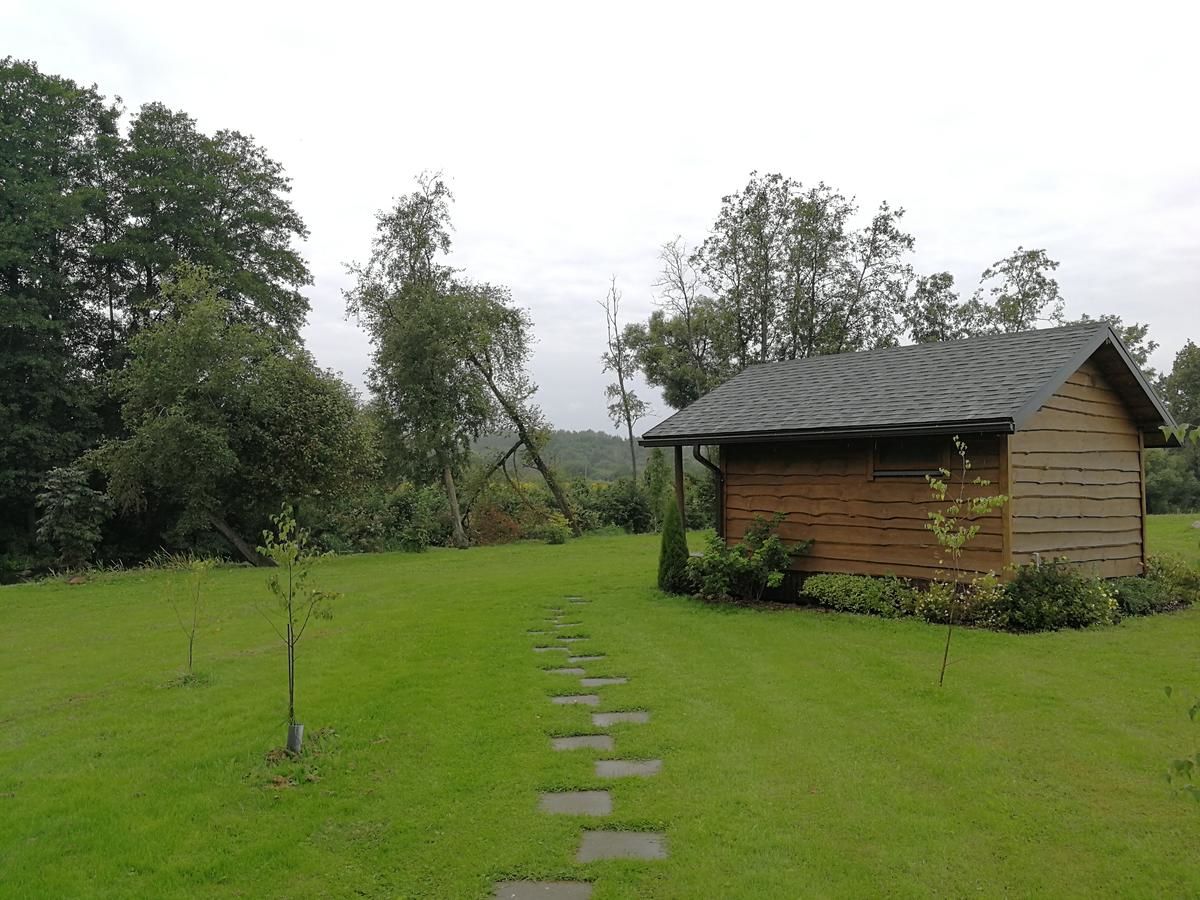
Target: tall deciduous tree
[
  {"x": 50, "y": 128},
  {"x": 225, "y": 423},
  {"x": 789, "y": 276},
  {"x": 1019, "y": 291},
  {"x": 625, "y": 407},
  {"x": 218, "y": 201},
  {"x": 431, "y": 400}
]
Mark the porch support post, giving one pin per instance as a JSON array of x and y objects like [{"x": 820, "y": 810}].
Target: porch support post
[{"x": 679, "y": 483}]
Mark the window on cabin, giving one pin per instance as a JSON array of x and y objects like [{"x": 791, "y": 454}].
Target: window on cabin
[{"x": 910, "y": 457}]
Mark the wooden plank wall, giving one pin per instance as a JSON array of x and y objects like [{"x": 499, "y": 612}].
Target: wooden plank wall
[
  {"x": 1077, "y": 480},
  {"x": 858, "y": 524}
]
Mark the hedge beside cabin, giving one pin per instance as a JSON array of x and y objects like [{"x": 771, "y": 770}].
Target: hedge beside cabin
[{"x": 1056, "y": 419}]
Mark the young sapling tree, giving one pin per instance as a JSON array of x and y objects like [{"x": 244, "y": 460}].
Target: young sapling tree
[
  {"x": 955, "y": 527},
  {"x": 188, "y": 600},
  {"x": 297, "y": 601}
]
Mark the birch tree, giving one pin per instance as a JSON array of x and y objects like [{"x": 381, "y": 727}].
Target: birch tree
[{"x": 625, "y": 407}]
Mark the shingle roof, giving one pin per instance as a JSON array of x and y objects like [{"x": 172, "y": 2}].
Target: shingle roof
[{"x": 986, "y": 383}]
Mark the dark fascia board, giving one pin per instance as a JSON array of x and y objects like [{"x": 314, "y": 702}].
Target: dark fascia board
[
  {"x": 977, "y": 426},
  {"x": 1086, "y": 352}
]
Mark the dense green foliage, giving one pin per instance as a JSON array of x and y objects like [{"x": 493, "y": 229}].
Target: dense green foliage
[
  {"x": 1038, "y": 767},
  {"x": 72, "y": 514},
  {"x": 887, "y": 597},
  {"x": 673, "y": 576},
  {"x": 94, "y": 219},
  {"x": 224, "y": 423},
  {"x": 1044, "y": 598},
  {"x": 745, "y": 569},
  {"x": 1053, "y": 596}
]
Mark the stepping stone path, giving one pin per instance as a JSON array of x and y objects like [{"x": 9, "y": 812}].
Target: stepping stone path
[
  {"x": 627, "y": 768},
  {"x": 621, "y": 845},
  {"x": 575, "y": 699},
  {"x": 582, "y": 741},
  {"x": 595, "y": 844},
  {"x": 542, "y": 890},
  {"x": 577, "y": 803}
]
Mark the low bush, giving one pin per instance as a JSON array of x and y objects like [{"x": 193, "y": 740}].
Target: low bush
[
  {"x": 1053, "y": 596},
  {"x": 744, "y": 570},
  {"x": 1169, "y": 583},
  {"x": 555, "y": 530},
  {"x": 979, "y": 602},
  {"x": 887, "y": 597}
]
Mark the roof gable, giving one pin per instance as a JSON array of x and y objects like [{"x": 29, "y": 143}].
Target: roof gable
[{"x": 987, "y": 383}]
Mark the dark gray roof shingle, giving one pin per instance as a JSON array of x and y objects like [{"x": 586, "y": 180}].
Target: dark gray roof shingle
[{"x": 987, "y": 381}]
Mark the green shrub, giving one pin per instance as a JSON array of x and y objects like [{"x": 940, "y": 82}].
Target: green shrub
[
  {"x": 673, "y": 555},
  {"x": 744, "y": 570},
  {"x": 1169, "y": 583},
  {"x": 556, "y": 530},
  {"x": 1053, "y": 596},
  {"x": 1181, "y": 578},
  {"x": 625, "y": 505},
  {"x": 72, "y": 515},
  {"x": 979, "y": 602},
  {"x": 887, "y": 597},
  {"x": 1142, "y": 595}
]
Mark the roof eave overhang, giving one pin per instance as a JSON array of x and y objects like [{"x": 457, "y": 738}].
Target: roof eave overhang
[{"x": 973, "y": 426}]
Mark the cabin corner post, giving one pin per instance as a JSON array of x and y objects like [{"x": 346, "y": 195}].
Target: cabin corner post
[
  {"x": 1006, "y": 511},
  {"x": 1142, "y": 489},
  {"x": 679, "y": 483}
]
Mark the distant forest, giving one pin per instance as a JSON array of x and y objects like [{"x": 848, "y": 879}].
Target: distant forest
[{"x": 588, "y": 454}]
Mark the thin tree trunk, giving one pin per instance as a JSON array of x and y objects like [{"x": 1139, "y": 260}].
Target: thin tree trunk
[
  {"x": 458, "y": 536},
  {"x": 247, "y": 552},
  {"x": 495, "y": 467},
  {"x": 632, "y": 449},
  {"x": 514, "y": 415}
]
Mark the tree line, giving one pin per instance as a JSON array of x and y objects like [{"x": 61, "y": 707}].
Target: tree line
[{"x": 157, "y": 393}]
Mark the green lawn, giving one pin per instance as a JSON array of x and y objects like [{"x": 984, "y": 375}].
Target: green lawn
[{"x": 805, "y": 754}]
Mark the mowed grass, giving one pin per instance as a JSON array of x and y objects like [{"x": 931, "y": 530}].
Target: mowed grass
[{"x": 805, "y": 753}]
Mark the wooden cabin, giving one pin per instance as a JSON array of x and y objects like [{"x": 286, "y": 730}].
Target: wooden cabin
[{"x": 1056, "y": 419}]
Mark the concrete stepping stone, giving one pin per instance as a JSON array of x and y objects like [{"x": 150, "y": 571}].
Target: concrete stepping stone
[
  {"x": 577, "y": 803},
  {"x": 576, "y": 699},
  {"x": 535, "y": 631},
  {"x": 568, "y": 624},
  {"x": 542, "y": 890},
  {"x": 583, "y": 742},
  {"x": 577, "y": 659},
  {"x": 603, "y": 720},
  {"x": 574, "y": 640},
  {"x": 601, "y": 682},
  {"x": 627, "y": 768},
  {"x": 551, "y": 649},
  {"x": 566, "y": 670},
  {"x": 622, "y": 845},
  {"x": 577, "y": 600}
]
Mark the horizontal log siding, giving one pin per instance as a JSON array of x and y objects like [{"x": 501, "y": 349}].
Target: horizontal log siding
[
  {"x": 1077, "y": 480},
  {"x": 857, "y": 525}
]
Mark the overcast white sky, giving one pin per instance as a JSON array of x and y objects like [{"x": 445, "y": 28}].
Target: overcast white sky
[{"x": 579, "y": 137}]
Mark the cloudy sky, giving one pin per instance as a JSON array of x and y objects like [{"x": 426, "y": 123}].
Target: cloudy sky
[{"x": 579, "y": 137}]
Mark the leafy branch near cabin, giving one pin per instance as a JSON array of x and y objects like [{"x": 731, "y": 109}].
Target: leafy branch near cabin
[{"x": 954, "y": 527}]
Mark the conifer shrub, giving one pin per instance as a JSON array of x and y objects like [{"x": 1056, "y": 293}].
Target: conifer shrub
[{"x": 673, "y": 555}]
